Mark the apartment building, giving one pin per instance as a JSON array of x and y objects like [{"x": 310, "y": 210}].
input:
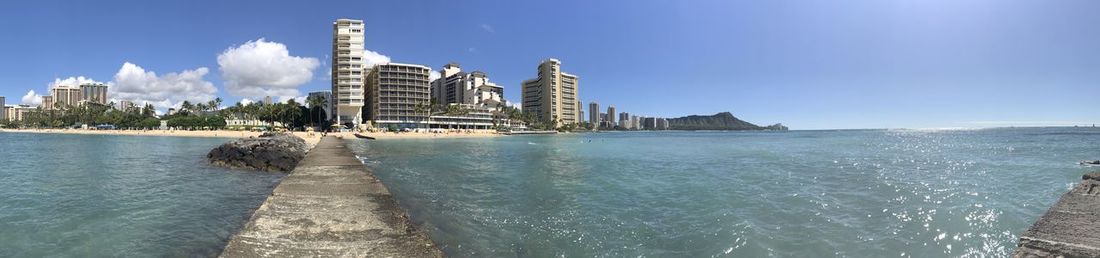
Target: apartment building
[
  {"x": 457, "y": 87},
  {"x": 398, "y": 94},
  {"x": 348, "y": 72},
  {"x": 553, "y": 95}
]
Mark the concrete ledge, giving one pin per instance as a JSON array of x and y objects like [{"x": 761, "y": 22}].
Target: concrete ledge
[
  {"x": 1070, "y": 228},
  {"x": 330, "y": 206}
]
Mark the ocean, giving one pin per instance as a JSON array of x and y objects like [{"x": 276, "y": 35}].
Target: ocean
[
  {"x": 852, "y": 193},
  {"x": 848, "y": 193},
  {"x": 120, "y": 196}
]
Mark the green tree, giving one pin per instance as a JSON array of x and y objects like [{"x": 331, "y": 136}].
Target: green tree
[{"x": 316, "y": 103}]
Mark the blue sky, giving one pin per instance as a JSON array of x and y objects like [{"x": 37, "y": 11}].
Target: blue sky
[{"x": 807, "y": 64}]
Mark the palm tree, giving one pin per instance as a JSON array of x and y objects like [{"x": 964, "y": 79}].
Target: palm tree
[
  {"x": 148, "y": 111},
  {"x": 186, "y": 105},
  {"x": 213, "y": 104},
  {"x": 314, "y": 103}
]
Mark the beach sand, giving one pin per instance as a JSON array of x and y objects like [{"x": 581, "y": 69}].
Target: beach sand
[{"x": 311, "y": 139}]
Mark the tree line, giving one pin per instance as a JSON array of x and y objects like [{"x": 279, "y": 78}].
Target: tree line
[{"x": 189, "y": 115}]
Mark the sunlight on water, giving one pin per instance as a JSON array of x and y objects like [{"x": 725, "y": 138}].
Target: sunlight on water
[{"x": 878, "y": 193}]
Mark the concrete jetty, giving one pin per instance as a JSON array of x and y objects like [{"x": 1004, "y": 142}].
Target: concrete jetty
[
  {"x": 330, "y": 206},
  {"x": 1069, "y": 228}
]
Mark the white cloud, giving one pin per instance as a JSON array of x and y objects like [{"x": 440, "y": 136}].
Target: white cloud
[
  {"x": 488, "y": 28},
  {"x": 32, "y": 99},
  {"x": 300, "y": 99},
  {"x": 471, "y": 50},
  {"x": 246, "y": 102},
  {"x": 263, "y": 68},
  {"x": 434, "y": 75},
  {"x": 72, "y": 82},
  {"x": 371, "y": 58},
  {"x": 135, "y": 84}
]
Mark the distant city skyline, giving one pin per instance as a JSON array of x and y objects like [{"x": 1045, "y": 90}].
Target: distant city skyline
[{"x": 857, "y": 64}]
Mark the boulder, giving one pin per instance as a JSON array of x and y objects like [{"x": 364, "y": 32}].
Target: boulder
[{"x": 274, "y": 152}]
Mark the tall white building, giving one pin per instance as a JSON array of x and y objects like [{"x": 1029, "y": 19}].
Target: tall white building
[{"x": 348, "y": 71}]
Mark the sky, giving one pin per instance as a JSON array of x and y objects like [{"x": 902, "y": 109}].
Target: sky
[{"x": 806, "y": 64}]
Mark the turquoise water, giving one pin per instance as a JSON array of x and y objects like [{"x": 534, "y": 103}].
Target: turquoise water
[
  {"x": 120, "y": 196},
  {"x": 875, "y": 193}
]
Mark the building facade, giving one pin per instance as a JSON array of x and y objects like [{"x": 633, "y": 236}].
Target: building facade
[
  {"x": 649, "y": 123},
  {"x": 3, "y": 110},
  {"x": 325, "y": 95},
  {"x": 624, "y": 120},
  {"x": 475, "y": 117},
  {"x": 125, "y": 105},
  {"x": 457, "y": 87},
  {"x": 47, "y": 102},
  {"x": 594, "y": 113},
  {"x": 348, "y": 72},
  {"x": 399, "y": 95},
  {"x": 553, "y": 95},
  {"x": 662, "y": 124},
  {"x": 611, "y": 116},
  {"x": 62, "y": 96},
  {"x": 17, "y": 113},
  {"x": 94, "y": 93}
]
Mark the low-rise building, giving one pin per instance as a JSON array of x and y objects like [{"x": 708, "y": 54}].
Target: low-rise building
[
  {"x": 474, "y": 117},
  {"x": 18, "y": 113}
]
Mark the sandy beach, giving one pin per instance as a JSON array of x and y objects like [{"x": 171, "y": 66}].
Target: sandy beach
[{"x": 311, "y": 139}]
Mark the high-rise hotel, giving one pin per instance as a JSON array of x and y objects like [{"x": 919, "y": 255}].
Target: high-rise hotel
[
  {"x": 552, "y": 96},
  {"x": 398, "y": 95},
  {"x": 348, "y": 71}
]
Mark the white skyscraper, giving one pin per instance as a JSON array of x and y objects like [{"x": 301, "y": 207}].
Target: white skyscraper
[{"x": 348, "y": 73}]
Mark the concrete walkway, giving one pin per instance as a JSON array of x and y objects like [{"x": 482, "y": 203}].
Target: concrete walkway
[
  {"x": 1071, "y": 228},
  {"x": 330, "y": 206}
]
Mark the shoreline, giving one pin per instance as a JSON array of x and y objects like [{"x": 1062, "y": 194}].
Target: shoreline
[
  {"x": 311, "y": 140},
  {"x": 245, "y": 134}
]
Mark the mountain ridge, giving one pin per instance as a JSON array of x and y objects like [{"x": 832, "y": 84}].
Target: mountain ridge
[{"x": 723, "y": 121}]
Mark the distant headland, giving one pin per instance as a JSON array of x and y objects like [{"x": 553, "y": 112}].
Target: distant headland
[{"x": 724, "y": 121}]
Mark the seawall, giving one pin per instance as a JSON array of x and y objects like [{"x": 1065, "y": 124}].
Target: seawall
[
  {"x": 330, "y": 206},
  {"x": 1070, "y": 227}
]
